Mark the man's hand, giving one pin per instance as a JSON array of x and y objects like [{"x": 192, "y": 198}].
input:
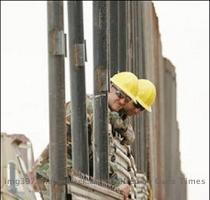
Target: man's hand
[
  {"x": 33, "y": 181},
  {"x": 129, "y": 136},
  {"x": 125, "y": 189},
  {"x": 117, "y": 123}
]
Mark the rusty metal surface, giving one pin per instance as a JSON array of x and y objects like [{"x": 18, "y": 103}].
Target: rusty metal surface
[
  {"x": 79, "y": 55},
  {"x": 82, "y": 186},
  {"x": 121, "y": 36},
  {"x": 172, "y": 172},
  {"x": 100, "y": 111},
  {"x": 77, "y": 86},
  {"x": 144, "y": 58},
  {"x": 57, "y": 42},
  {"x": 112, "y": 29},
  {"x": 56, "y": 99}
]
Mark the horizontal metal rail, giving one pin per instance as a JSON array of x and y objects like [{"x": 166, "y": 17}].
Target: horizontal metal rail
[{"x": 86, "y": 189}]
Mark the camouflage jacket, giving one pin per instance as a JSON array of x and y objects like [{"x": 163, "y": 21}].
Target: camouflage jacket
[
  {"x": 41, "y": 166},
  {"x": 119, "y": 123}
]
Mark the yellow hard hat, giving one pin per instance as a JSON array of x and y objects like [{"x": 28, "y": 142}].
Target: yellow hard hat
[
  {"x": 146, "y": 94},
  {"x": 127, "y": 82}
]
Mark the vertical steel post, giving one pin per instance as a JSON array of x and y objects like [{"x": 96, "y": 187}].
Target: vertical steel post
[
  {"x": 144, "y": 158},
  {"x": 100, "y": 127},
  {"x": 121, "y": 35},
  {"x": 113, "y": 40},
  {"x": 56, "y": 51},
  {"x": 78, "y": 91}
]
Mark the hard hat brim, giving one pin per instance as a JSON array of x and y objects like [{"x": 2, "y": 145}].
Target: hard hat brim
[
  {"x": 148, "y": 108},
  {"x": 125, "y": 91}
]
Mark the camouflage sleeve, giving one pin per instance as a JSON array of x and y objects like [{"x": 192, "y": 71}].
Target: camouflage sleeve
[
  {"x": 41, "y": 165},
  {"x": 68, "y": 113},
  {"x": 89, "y": 108},
  {"x": 129, "y": 136},
  {"x": 117, "y": 123},
  {"x": 89, "y": 111},
  {"x": 42, "y": 158},
  {"x": 123, "y": 127}
]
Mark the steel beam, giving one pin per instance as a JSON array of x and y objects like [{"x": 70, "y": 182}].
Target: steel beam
[
  {"x": 56, "y": 53},
  {"x": 78, "y": 90},
  {"x": 100, "y": 122}
]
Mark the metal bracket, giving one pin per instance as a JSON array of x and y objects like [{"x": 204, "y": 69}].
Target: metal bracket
[
  {"x": 65, "y": 38},
  {"x": 57, "y": 43},
  {"x": 79, "y": 55}
]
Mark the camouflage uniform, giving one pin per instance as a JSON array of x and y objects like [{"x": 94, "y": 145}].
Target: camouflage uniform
[
  {"x": 122, "y": 129},
  {"x": 119, "y": 124},
  {"x": 41, "y": 166}
]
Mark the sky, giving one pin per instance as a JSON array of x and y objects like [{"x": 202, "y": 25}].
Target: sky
[{"x": 184, "y": 28}]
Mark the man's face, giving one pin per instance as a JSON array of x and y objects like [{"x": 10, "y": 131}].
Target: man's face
[
  {"x": 132, "y": 109},
  {"x": 116, "y": 99}
]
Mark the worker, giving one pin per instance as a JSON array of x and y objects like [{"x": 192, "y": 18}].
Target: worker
[
  {"x": 123, "y": 89},
  {"x": 144, "y": 99},
  {"x": 120, "y": 121}
]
